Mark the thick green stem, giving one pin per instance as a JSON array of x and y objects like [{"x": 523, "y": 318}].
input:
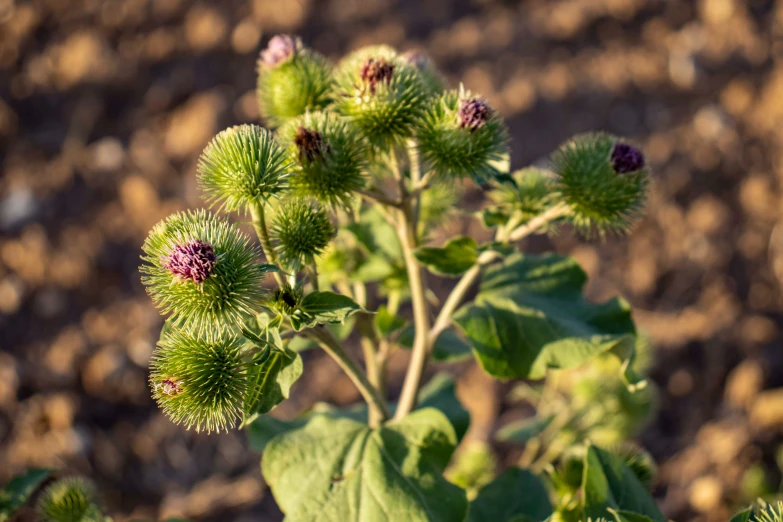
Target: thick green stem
[
  {"x": 407, "y": 232},
  {"x": 259, "y": 223},
  {"x": 331, "y": 346}
]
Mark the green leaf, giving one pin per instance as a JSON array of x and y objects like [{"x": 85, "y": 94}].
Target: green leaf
[
  {"x": 18, "y": 491},
  {"x": 323, "y": 308},
  {"x": 743, "y": 516},
  {"x": 523, "y": 430},
  {"x": 386, "y": 322},
  {"x": 449, "y": 346},
  {"x": 267, "y": 268},
  {"x": 629, "y": 516},
  {"x": 271, "y": 381},
  {"x": 438, "y": 393},
  {"x": 339, "y": 470},
  {"x": 515, "y": 493},
  {"x": 608, "y": 483},
  {"x": 530, "y": 315},
  {"x": 456, "y": 256}
]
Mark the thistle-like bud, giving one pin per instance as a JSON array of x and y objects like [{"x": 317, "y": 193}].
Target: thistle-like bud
[
  {"x": 241, "y": 166},
  {"x": 461, "y": 135},
  {"x": 638, "y": 461},
  {"x": 68, "y": 500},
  {"x": 328, "y": 156},
  {"x": 201, "y": 270},
  {"x": 286, "y": 299},
  {"x": 199, "y": 381},
  {"x": 603, "y": 180},
  {"x": 291, "y": 80},
  {"x": 441, "y": 197},
  {"x": 381, "y": 93},
  {"x": 301, "y": 231},
  {"x": 526, "y": 195}
]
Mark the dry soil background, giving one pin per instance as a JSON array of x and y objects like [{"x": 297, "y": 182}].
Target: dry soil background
[{"x": 106, "y": 104}]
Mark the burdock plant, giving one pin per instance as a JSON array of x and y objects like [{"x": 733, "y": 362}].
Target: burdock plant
[{"x": 365, "y": 160}]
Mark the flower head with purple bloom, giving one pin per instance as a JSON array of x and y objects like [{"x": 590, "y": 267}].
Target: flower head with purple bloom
[
  {"x": 194, "y": 260},
  {"x": 280, "y": 48},
  {"x": 375, "y": 71},
  {"x": 626, "y": 158},
  {"x": 473, "y": 113}
]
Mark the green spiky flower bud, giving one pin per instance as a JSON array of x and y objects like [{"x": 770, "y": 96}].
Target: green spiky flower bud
[
  {"x": 638, "y": 461},
  {"x": 291, "y": 80},
  {"x": 286, "y": 299},
  {"x": 199, "y": 381},
  {"x": 301, "y": 231},
  {"x": 328, "y": 155},
  {"x": 381, "y": 93},
  {"x": 603, "y": 180},
  {"x": 201, "y": 270},
  {"x": 527, "y": 194},
  {"x": 241, "y": 166},
  {"x": 69, "y": 500},
  {"x": 461, "y": 135}
]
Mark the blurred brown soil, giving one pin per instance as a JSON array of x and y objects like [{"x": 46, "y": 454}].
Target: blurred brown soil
[{"x": 105, "y": 106}]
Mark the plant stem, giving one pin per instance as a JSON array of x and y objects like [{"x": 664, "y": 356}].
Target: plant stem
[
  {"x": 314, "y": 274},
  {"x": 468, "y": 278},
  {"x": 374, "y": 196},
  {"x": 407, "y": 231},
  {"x": 259, "y": 223},
  {"x": 354, "y": 372}
]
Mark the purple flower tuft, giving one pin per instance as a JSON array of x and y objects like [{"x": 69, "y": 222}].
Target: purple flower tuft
[
  {"x": 194, "y": 260},
  {"x": 626, "y": 158},
  {"x": 375, "y": 71},
  {"x": 473, "y": 113},
  {"x": 280, "y": 48},
  {"x": 311, "y": 144},
  {"x": 171, "y": 387}
]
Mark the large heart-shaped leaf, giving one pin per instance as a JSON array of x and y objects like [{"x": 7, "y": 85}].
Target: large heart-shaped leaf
[
  {"x": 530, "y": 315},
  {"x": 514, "y": 493},
  {"x": 608, "y": 484},
  {"x": 456, "y": 256},
  {"x": 17, "y": 492},
  {"x": 438, "y": 393},
  {"x": 323, "y": 308},
  {"x": 335, "y": 470}
]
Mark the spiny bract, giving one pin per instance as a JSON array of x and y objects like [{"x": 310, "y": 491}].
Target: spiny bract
[
  {"x": 68, "y": 500},
  {"x": 291, "y": 80},
  {"x": 242, "y": 166},
  {"x": 199, "y": 381},
  {"x": 601, "y": 198},
  {"x": 461, "y": 135},
  {"x": 232, "y": 289},
  {"x": 328, "y": 156},
  {"x": 382, "y": 94},
  {"x": 301, "y": 230}
]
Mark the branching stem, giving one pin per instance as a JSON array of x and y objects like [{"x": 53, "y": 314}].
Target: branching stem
[{"x": 259, "y": 223}]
